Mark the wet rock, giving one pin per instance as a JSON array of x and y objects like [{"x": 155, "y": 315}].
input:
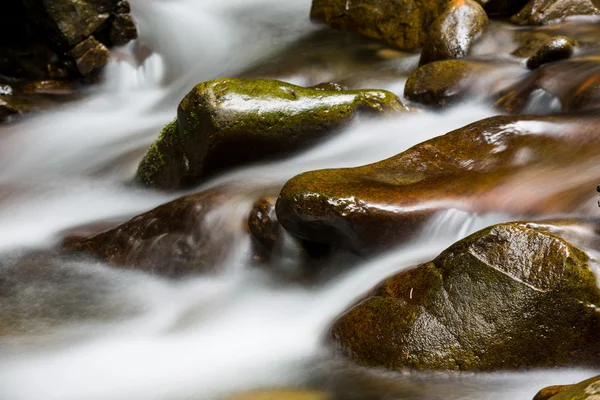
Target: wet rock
[
  {"x": 230, "y": 122},
  {"x": 586, "y": 390},
  {"x": 48, "y": 87},
  {"x": 574, "y": 83},
  {"x": 263, "y": 225},
  {"x": 282, "y": 394},
  {"x": 90, "y": 54},
  {"x": 6, "y": 108},
  {"x": 548, "y": 392},
  {"x": 502, "y": 8},
  {"x": 122, "y": 30},
  {"x": 540, "y": 12},
  {"x": 498, "y": 164},
  {"x": 184, "y": 236},
  {"x": 554, "y": 49},
  {"x": 402, "y": 24},
  {"x": 454, "y": 31},
  {"x": 507, "y": 297}
]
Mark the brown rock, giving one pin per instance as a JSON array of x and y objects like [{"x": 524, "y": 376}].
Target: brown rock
[
  {"x": 554, "y": 49},
  {"x": 548, "y": 392},
  {"x": 586, "y": 390},
  {"x": 454, "y": 31},
  {"x": 540, "y": 12},
  {"x": 89, "y": 55},
  {"x": 122, "y": 30}
]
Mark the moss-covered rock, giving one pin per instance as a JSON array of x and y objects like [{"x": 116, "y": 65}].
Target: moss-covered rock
[
  {"x": 554, "y": 49},
  {"x": 282, "y": 394},
  {"x": 444, "y": 83},
  {"x": 484, "y": 166},
  {"x": 548, "y": 392},
  {"x": 586, "y": 390},
  {"x": 508, "y": 297},
  {"x": 575, "y": 83},
  {"x": 399, "y": 23},
  {"x": 540, "y": 12},
  {"x": 229, "y": 122},
  {"x": 452, "y": 33}
]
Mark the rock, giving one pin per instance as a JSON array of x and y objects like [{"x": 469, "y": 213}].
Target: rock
[
  {"x": 444, "y": 83},
  {"x": 225, "y": 123},
  {"x": 7, "y": 109},
  {"x": 282, "y": 394},
  {"x": 184, "y": 236},
  {"x": 507, "y": 297},
  {"x": 586, "y": 390},
  {"x": 263, "y": 225},
  {"x": 90, "y": 54},
  {"x": 454, "y": 31},
  {"x": 502, "y": 8},
  {"x": 550, "y": 391},
  {"x": 499, "y": 164},
  {"x": 48, "y": 87},
  {"x": 122, "y": 30},
  {"x": 400, "y": 23},
  {"x": 554, "y": 49},
  {"x": 575, "y": 83},
  {"x": 541, "y": 12}
]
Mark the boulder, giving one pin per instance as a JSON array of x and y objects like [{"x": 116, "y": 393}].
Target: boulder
[
  {"x": 184, "y": 236},
  {"x": 443, "y": 83},
  {"x": 89, "y": 55},
  {"x": 586, "y": 390},
  {"x": 541, "y": 12},
  {"x": 452, "y": 33},
  {"x": 282, "y": 394},
  {"x": 548, "y": 392},
  {"x": 510, "y": 296},
  {"x": 399, "y": 23},
  {"x": 499, "y": 164},
  {"x": 554, "y": 49},
  {"x": 225, "y": 123},
  {"x": 574, "y": 82}
]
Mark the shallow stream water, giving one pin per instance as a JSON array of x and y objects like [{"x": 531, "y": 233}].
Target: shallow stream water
[{"x": 87, "y": 331}]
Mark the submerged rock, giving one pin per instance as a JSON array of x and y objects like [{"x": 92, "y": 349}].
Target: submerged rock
[
  {"x": 511, "y": 296},
  {"x": 540, "y": 12},
  {"x": 586, "y": 390},
  {"x": 574, "y": 83},
  {"x": 400, "y": 23},
  {"x": 230, "y": 122},
  {"x": 499, "y": 164},
  {"x": 452, "y": 34},
  {"x": 554, "y": 49}
]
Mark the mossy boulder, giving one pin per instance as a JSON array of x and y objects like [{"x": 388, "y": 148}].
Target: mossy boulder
[
  {"x": 482, "y": 167},
  {"x": 225, "y": 123},
  {"x": 574, "y": 82},
  {"x": 541, "y": 12},
  {"x": 548, "y": 392},
  {"x": 453, "y": 33},
  {"x": 586, "y": 390},
  {"x": 442, "y": 83},
  {"x": 508, "y": 297},
  {"x": 554, "y": 49},
  {"x": 399, "y": 23}
]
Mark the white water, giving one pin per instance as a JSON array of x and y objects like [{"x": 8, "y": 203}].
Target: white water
[{"x": 144, "y": 337}]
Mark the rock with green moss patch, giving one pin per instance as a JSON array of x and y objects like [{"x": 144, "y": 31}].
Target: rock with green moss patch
[
  {"x": 225, "y": 123},
  {"x": 548, "y": 392},
  {"x": 493, "y": 165},
  {"x": 511, "y": 296},
  {"x": 586, "y": 390},
  {"x": 399, "y": 23},
  {"x": 453, "y": 33},
  {"x": 541, "y": 12}
]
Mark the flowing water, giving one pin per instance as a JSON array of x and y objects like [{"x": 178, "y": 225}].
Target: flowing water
[{"x": 89, "y": 331}]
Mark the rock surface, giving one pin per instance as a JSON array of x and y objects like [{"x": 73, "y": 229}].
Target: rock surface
[
  {"x": 554, "y": 49},
  {"x": 225, "y": 123},
  {"x": 498, "y": 299},
  {"x": 586, "y": 390},
  {"x": 496, "y": 164},
  {"x": 282, "y": 394},
  {"x": 452, "y": 34},
  {"x": 540, "y": 12},
  {"x": 548, "y": 392},
  {"x": 399, "y": 23}
]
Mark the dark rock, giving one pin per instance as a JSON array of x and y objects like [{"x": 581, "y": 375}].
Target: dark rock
[
  {"x": 548, "y": 392},
  {"x": 400, "y": 23},
  {"x": 442, "y": 83},
  {"x": 507, "y": 297},
  {"x": 6, "y": 109},
  {"x": 48, "y": 87},
  {"x": 122, "y": 30},
  {"x": 230, "y": 122},
  {"x": 454, "y": 31},
  {"x": 482, "y": 167},
  {"x": 540, "y": 12},
  {"x": 89, "y": 55},
  {"x": 575, "y": 83},
  {"x": 502, "y": 8},
  {"x": 554, "y": 49},
  {"x": 586, "y": 390},
  {"x": 263, "y": 225}
]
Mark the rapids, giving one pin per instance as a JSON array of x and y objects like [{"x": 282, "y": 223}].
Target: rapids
[{"x": 89, "y": 331}]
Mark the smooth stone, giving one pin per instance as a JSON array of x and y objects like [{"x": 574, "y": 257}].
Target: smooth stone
[
  {"x": 586, "y": 390},
  {"x": 554, "y": 49},
  {"x": 541, "y": 12}
]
